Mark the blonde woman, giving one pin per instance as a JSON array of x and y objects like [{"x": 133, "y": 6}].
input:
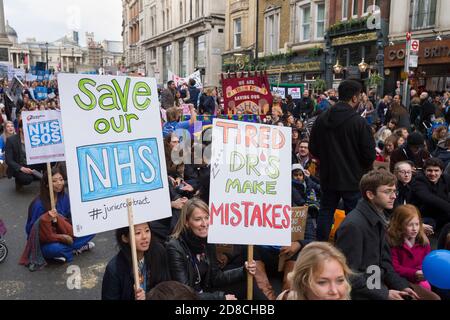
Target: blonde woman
[
  {"x": 320, "y": 273},
  {"x": 193, "y": 262}
]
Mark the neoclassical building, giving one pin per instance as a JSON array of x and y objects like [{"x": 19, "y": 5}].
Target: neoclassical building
[
  {"x": 65, "y": 54},
  {"x": 183, "y": 36}
]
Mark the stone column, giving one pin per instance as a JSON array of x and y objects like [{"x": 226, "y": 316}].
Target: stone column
[
  {"x": 2, "y": 21},
  {"x": 5, "y": 44}
]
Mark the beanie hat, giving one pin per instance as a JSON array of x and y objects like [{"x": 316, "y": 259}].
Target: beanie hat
[{"x": 297, "y": 166}]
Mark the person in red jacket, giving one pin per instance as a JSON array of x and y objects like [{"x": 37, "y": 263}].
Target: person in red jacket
[{"x": 409, "y": 244}]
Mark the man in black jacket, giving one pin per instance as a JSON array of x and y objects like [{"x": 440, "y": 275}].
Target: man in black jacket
[
  {"x": 16, "y": 160},
  {"x": 428, "y": 111},
  {"x": 305, "y": 107},
  {"x": 431, "y": 194},
  {"x": 362, "y": 239},
  {"x": 343, "y": 142},
  {"x": 194, "y": 92}
]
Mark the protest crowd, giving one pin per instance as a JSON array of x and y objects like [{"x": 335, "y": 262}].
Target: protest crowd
[{"x": 373, "y": 173}]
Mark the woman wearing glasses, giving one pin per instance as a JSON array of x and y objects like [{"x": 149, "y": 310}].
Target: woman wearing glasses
[{"x": 193, "y": 262}]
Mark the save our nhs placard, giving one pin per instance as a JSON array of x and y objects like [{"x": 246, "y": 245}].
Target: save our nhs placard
[
  {"x": 43, "y": 136},
  {"x": 251, "y": 179},
  {"x": 114, "y": 151}
]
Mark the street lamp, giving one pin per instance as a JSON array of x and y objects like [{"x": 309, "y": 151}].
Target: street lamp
[
  {"x": 363, "y": 66},
  {"x": 337, "y": 67}
]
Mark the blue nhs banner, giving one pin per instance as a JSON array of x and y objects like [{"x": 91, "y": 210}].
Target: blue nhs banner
[
  {"x": 44, "y": 133},
  {"x": 114, "y": 169}
]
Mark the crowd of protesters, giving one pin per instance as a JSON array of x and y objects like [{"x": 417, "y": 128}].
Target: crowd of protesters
[{"x": 384, "y": 164}]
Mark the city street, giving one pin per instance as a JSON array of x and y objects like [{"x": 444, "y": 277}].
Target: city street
[{"x": 17, "y": 283}]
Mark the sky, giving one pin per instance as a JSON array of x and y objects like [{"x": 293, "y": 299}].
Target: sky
[{"x": 49, "y": 20}]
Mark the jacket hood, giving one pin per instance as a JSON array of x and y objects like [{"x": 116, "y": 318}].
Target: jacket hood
[{"x": 338, "y": 114}]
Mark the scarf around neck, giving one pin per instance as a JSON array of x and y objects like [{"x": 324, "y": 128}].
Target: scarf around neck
[{"x": 196, "y": 244}]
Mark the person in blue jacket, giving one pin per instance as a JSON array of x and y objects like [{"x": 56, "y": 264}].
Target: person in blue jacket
[{"x": 55, "y": 232}]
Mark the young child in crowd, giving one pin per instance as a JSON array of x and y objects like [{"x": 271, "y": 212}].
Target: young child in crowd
[{"x": 409, "y": 244}]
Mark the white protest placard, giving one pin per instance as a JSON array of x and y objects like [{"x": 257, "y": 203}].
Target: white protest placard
[
  {"x": 114, "y": 151},
  {"x": 198, "y": 79},
  {"x": 43, "y": 136},
  {"x": 250, "y": 199},
  {"x": 179, "y": 81},
  {"x": 15, "y": 89},
  {"x": 280, "y": 91},
  {"x": 296, "y": 93}
]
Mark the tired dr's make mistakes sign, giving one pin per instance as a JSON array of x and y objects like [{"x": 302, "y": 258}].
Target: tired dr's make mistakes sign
[
  {"x": 114, "y": 151},
  {"x": 250, "y": 199}
]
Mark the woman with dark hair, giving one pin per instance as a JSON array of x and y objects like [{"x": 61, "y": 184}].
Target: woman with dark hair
[
  {"x": 118, "y": 280},
  {"x": 172, "y": 290},
  {"x": 193, "y": 262},
  {"x": 172, "y": 151},
  {"x": 49, "y": 232}
]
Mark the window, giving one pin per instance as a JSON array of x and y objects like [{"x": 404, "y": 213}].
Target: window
[
  {"x": 164, "y": 20},
  {"x": 424, "y": 14},
  {"x": 182, "y": 58},
  {"x": 197, "y": 8},
  {"x": 320, "y": 21},
  {"x": 306, "y": 23},
  {"x": 355, "y": 5},
  {"x": 167, "y": 63},
  {"x": 368, "y": 5},
  {"x": 344, "y": 9},
  {"x": 237, "y": 33},
  {"x": 153, "y": 20},
  {"x": 181, "y": 13},
  {"x": 200, "y": 52},
  {"x": 168, "y": 19},
  {"x": 272, "y": 28},
  {"x": 141, "y": 26}
]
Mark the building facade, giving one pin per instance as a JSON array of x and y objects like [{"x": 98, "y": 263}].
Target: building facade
[
  {"x": 5, "y": 43},
  {"x": 240, "y": 34},
  {"x": 133, "y": 33},
  {"x": 62, "y": 55},
  {"x": 65, "y": 54},
  {"x": 288, "y": 37},
  {"x": 182, "y": 36},
  {"x": 355, "y": 40},
  {"x": 428, "y": 22}
]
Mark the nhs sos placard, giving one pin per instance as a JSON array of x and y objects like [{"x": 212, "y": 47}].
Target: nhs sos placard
[{"x": 43, "y": 136}]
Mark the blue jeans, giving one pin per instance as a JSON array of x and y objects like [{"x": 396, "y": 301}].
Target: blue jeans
[
  {"x": 58, "y": 249},
  {"x": 328, "y": 204}
]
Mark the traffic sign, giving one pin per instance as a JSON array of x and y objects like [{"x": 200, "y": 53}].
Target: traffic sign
[
  {"x": 408, "y": 36},
  {"x": 415, "y": 44}
]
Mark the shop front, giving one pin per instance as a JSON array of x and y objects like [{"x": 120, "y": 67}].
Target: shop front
[
  {"x": 296, "y": 73},
  {"x": 433, "y": 69},
  {"x": 355, "y": 56}
]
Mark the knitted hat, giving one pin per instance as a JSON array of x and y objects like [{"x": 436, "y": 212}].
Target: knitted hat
[
  {"x": 297, "y": 166},
  {"x": 415, "y": 139}
]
